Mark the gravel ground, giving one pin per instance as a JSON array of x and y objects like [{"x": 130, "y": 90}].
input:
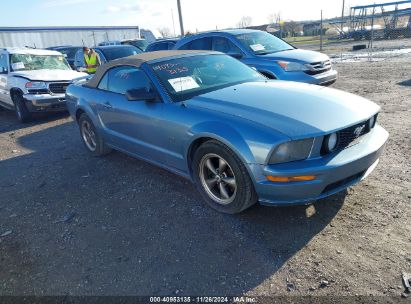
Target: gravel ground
[{"x": 77, "y": 225}]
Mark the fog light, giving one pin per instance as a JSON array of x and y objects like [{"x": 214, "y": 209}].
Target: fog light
[
  {"x": 287, "y": 179},
  {"x": 332, "y": 142}
]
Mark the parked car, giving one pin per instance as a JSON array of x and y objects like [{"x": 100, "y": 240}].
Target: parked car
[
  {"x": 240, "y": 137},
  {"x": 68, "y": 51},
  {"x": 33, "y": 80},
  {"x": 106, "y": 53},
  {"x": 138, "y": 43},
  {"x": 268, "y": 54},
  {"x": 162, "y": 44},
  {"x": 113, "y": 42}
]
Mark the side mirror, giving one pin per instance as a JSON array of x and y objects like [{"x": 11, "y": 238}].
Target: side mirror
[
  {"x": 3, "y": 70},
  {"x": 141, "y": 94},
  {"x": 235, "y": 55}
]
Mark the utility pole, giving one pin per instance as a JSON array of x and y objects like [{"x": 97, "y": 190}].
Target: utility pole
[
  {"x": 342, "y": 17},
  {"x": 321, "y": 31},
  {"x": 172, "y": 17},
  {"x": 180, "y": 16}
]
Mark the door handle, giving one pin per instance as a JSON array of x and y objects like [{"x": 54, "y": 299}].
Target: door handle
[{"x": 107, "y": 105}]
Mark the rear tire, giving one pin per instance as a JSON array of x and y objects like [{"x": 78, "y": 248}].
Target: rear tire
[
  {"x": 22, "y": 113},
  {"x": 222, "y": 178},
  {"x": 91, "y": 138}
]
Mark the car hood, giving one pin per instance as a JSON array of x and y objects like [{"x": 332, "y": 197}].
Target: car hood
[
  {"x": 297, "y": 110},
  {"x": 49, "y": 75},
  {"x": 296, "y": 55}
]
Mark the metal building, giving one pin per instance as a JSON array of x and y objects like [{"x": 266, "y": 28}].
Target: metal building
[{"x": 42, "y": 37}]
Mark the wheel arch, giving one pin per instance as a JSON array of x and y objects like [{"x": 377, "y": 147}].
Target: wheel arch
[
  {"x": 78, "y": 113},
  {"x": 15, "y": 90},
  {"x": 230, "y": 138},
  {"x": 268, "y": 74},
  {"x": 84, "y": 108}
]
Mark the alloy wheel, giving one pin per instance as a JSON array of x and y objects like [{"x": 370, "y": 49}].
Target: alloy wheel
[
  {"x": 89, "y": 136},
  {"x": 218, "y": 179}
]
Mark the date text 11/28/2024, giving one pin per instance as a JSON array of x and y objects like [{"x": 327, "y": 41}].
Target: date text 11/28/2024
[{"x": 203, "y": 299}]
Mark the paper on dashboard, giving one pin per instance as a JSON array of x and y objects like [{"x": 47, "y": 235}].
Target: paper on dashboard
[{"x": 183, "y": 83}]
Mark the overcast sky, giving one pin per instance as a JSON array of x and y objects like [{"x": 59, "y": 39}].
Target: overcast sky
[{"x": 153, "y": 14}]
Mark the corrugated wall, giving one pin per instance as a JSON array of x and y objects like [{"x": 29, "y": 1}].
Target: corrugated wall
[{"x": 45, "y": 38}]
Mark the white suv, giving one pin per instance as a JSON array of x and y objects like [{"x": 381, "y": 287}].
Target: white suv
[{"x": 33, "y": 80}]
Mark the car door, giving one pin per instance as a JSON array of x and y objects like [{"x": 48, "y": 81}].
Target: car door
[
  {"x": 4, "y": 70},
  {"x": 132, "y": 126}
]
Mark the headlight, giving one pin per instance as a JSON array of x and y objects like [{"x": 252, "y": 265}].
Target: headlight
[
  {"x": 36, "y": 85},
  {"x": 291, "y": 151},
  {"x": 292, "y": 66}
]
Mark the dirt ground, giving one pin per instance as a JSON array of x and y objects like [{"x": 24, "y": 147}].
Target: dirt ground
[{"x": 73, "y": 224}]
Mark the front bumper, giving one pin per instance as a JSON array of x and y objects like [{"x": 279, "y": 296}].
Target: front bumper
[
  {"x": 333, "y": 173},
  {"x": 325, "y": 78},
  {"x": 45, "y": 102}
]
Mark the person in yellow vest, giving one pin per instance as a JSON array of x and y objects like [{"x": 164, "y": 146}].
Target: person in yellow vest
[{"x": 91, "y": 59}]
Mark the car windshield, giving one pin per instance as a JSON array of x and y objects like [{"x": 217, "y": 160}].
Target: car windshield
[
  {"x": 262, "y": 43},
  {"x": 141, "y": 44},
  {"x": 186, "y": 77},
  {"x": 120, "y": 52},
  {"x": 30, "y": 62},
  {"x": 69, "y": 52}
]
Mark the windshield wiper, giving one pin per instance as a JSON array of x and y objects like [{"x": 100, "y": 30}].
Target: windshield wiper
[
  {"x": 272, "y": 52},
  {"x": 265, "y": 53}
]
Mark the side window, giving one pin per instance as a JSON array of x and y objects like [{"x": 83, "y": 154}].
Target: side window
[
  {"x": 170, "y": 45},
  {"x": 221, "y": 44},
  {"x": 101, "y": 56},
  {"x": 79, "y": 59},
  {"x": 199, "y": 44},
  {"x": 124, "y": 78},
  {"x": 160, "y": 46},
  {"x": 103, "y": 85},
  {"x": 3, "y": 63}
]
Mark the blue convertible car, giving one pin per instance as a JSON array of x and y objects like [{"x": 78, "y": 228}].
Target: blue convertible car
[{"x": 240, "y": 137}]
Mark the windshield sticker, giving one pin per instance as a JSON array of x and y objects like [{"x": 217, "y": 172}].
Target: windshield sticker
[
  {"x": 165, "y": 66},
  {"x": 257, "y": 47},
  {"x": 18, "y": 66},
  {"x": 171, "y": 68},
  {"x": 183, "y": 83}
]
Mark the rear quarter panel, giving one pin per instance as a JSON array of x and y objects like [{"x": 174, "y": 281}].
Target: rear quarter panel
[{"x": 81, "y": 98}]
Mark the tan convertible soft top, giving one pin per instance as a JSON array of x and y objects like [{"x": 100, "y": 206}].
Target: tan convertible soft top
[{"x": 137, "y": 60}]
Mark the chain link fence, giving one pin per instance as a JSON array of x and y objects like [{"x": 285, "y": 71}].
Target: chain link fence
[
  {"x": 370, "y": 42},
  {"x": 340, "y": 50}
]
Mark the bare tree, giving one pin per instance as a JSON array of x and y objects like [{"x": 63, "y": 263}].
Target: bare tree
[
  {"x": 244, "y": 22},
  {"x": 274, "y": 18},
  {"x": 165, "y": 32},
  {"x": 292, "y": 28}
]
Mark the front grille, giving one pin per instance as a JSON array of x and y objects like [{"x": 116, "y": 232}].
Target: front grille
[
  {"x": 319, "y": 67},
  {"x": 38, "y": 91},
  {"x": 343, "y": 182},
  {"x": 350, "y": 136},
  {"x": 58, "y": 87}
]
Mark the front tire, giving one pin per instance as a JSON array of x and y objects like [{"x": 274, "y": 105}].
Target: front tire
[
  {"x": 91, "y": 138},
  {"x": 222, "y": 179},
  {"x": 22, "y": 113}
]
